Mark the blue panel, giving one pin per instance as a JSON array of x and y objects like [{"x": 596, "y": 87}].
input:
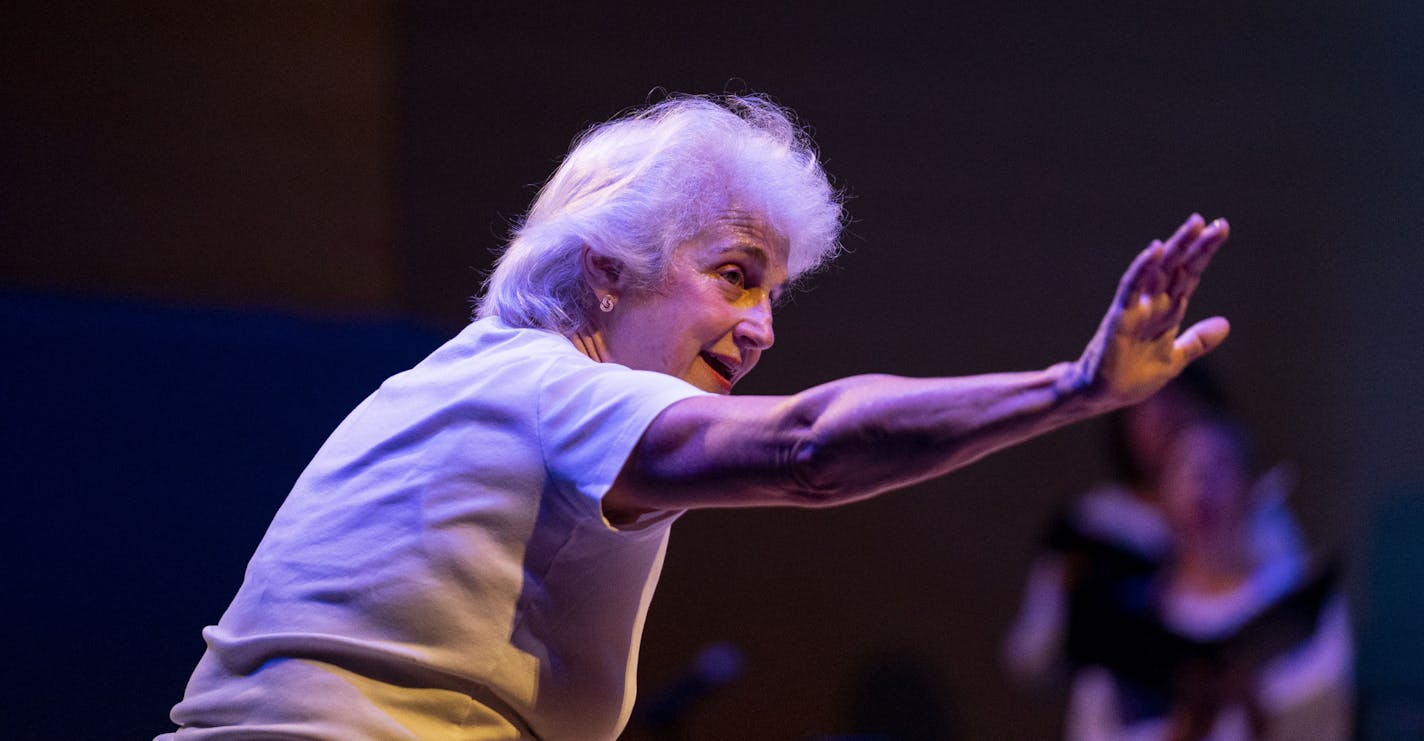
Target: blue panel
[{"x": 145, "y": 449}]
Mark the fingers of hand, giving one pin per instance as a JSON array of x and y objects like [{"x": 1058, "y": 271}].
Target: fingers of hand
[
  {"x": 1154, "y": 291},
  {"x": 1185, "y": 265},
  {"x": 1178, "y": 313},
  {"x": 1143, "y": 277},
  {"x": 1211, "y": 240},
  {"x": 1153, "y": 315},
  {"x": 1186, "y": 233}
]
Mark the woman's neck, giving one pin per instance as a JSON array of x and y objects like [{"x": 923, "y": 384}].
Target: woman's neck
[{"x": 1213, "y": 565}]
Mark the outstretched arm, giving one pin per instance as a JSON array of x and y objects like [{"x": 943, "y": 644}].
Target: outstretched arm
[{"x": 856, "y": 437}]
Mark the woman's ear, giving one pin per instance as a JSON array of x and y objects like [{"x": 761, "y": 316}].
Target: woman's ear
[{"x": 602, "y": 272}]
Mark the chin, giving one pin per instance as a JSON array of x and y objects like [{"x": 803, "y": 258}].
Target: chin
[{"x": 715, "y": 385}]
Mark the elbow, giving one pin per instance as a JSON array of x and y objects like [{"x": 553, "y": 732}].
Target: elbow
[
  {"x": 820, "y": 477},
  {"x": 836, "y": 452},
  {"x": 829, "y": 473}
]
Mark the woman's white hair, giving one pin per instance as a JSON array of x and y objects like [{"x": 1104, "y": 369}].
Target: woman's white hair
[{"x": 636, "y": 187}]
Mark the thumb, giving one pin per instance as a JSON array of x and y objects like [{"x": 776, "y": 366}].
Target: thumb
[{"x": 1202, "y": 338}]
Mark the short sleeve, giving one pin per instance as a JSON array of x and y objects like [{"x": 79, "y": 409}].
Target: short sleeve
[{"x": 591, "y": 415}]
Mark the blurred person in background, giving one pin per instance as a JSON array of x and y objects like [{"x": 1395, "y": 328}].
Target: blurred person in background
[
  {"x": 1266, "y": 649},
  {"x": 1103, "y": 557},
  {"x": 1231, "y": 635}
]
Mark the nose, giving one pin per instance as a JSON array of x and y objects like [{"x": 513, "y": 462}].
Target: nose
[{"x": 754, "y": 330}]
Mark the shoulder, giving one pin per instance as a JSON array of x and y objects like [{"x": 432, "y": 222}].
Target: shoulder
[
  {"x": 492, "y": 359},
  {"x": 1113, "y": 515}
]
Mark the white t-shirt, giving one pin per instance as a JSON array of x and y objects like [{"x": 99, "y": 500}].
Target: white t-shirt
[{"x": 443, "y": 569}]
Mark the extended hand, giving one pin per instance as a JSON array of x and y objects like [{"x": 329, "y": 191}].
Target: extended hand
[{"x": 1139, "y": 346}]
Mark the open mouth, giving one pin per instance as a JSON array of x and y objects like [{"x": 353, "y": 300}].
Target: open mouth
[{"x": 717, "y": 366}]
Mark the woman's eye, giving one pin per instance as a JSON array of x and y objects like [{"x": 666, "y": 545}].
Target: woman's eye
[{"x": 733, "y": 276}]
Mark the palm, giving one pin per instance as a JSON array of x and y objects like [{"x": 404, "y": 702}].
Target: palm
[{"x": 1140, "y": 345}]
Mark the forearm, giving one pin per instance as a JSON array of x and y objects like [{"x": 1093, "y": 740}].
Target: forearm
[
  {"x": 874, "y": 433},
  {"x": 840, "y": 442}
]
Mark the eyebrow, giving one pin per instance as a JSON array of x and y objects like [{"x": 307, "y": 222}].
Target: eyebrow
[{"x": 753, "y": 250}]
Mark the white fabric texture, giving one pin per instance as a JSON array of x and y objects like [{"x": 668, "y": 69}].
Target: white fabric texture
[{"x": 443, "y": 569}]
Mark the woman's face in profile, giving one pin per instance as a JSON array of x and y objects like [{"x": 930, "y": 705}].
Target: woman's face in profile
[{"x": 710, "y": 319}]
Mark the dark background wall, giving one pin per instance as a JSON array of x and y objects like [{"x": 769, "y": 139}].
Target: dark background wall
[{"x": 222, "y": 224}]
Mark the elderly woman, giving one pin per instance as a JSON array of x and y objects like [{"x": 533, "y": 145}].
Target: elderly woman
[{"x": 472, "y": 552}]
